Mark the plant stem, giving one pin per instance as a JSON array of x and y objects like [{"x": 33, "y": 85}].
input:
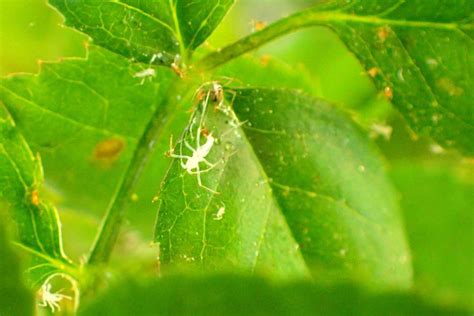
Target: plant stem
[
  {"x": 110, "y": 227},
  {"x": 310, "y": 17}
]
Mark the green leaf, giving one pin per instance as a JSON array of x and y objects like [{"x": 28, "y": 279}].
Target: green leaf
[
  {"x": 418, "y": 53},
  {"x": 95, "y": 110},
  {"x": 296, "y": 181},
  {"x": 36, "y": 222},
  {"x": 423, "y": 53},
  {"x": 437, "y": 204},
  {"x": 143, "y": 29},
  {"x": 238, "y": 295},
  {"x": 15, "y": 297}
]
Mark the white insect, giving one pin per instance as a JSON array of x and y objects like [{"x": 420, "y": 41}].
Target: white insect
[
  {"x": 144, "y": 74},
  {"x": 192, "y": 163},
  {"x": 220, "y": 213},
  {"x": 51, "y": 300},
  {"x": 158, "y": 56}
]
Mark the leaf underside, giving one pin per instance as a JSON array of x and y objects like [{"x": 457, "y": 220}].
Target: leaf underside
[{"x": 299, "y": 188}]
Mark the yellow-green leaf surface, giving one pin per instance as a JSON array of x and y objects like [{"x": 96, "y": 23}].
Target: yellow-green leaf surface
[
  {"x": 143, "y": 29},
  {"x": 35, "y": 221},
  {"x": 437, "y": 205},
  {"x": 238, "y": 295},
  {"x": 15, "y": 297},
  {"x": 299, "y": 187},
  {"x": 421, "y": 53}
]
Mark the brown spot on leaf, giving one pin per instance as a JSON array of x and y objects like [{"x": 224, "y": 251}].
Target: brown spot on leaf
[
  {"x": 178, "y": 70},
  {"x": 205, "y": 132},
  {"x": 374, "y": 71},
  {"x": 382, "y": 33},
  {"x": 259, "y": 25},
  {"x": 388, "y": 93},
  {"x": 108, "y": 151},
  {"x": 35, "y": 200},
  {"x": 448, "y": 86},
  {"x": 265, "y": 59}
]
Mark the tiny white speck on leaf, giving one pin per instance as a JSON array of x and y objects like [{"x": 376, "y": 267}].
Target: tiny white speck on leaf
[
  {"x": 220, "y": 213},
  {"x": 436, "y": 149},
  {"x": 383, "y": 130}
]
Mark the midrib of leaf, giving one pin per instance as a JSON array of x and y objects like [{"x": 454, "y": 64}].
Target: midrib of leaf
[
  {"x": 179, "y": 36},
  {"x": 203, "y": 23},
  {"x": 272, "y": 195},
  {"x": 314, "y": 17},
  {"x": 272, "y": 186}
]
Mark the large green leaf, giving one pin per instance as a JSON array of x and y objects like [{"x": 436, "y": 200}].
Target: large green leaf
[
  {"x": 100, "y": 150},
  {"x": 298, "y": 186},
  {"x": 234, "y": 295},
  {"x": 15, "y": 297},
  {"x": 421, "y": 54},
  {"x": 143, "y": 29},
  {"x": 36, "y": 222},
  {"x": 437, "y": 204},
  {"x": 95, "y": 110}
]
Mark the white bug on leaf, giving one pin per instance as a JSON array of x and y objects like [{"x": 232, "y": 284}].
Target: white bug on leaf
[
  {"x": 50, "y": 299},
  {"x": 53, "y": 299},
  {"x": 206, "y": 93},
  {"x": 144, "y": 74},
  {"x": 192, "y": 163}
]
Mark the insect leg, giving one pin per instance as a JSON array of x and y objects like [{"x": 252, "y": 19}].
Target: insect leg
[
  {"x": 198, "y": 175},
  {"x": 189, "y": 146},
  {"x": 179, "y": 156}
]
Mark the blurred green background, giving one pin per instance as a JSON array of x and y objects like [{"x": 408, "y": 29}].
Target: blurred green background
[{"x": 436, "y": 186}]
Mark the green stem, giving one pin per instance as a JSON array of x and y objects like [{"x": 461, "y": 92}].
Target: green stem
[
  {"x": 110, "y": 228},
  {"x": 306, "y": 18}
]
